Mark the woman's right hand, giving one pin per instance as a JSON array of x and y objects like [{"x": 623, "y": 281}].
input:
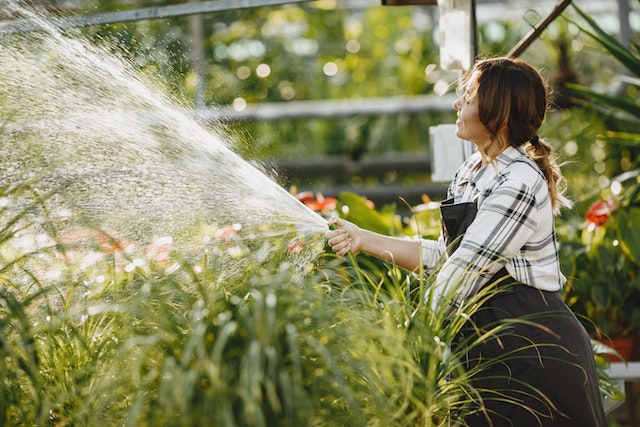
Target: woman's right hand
[{"x": 343, "y": 236}]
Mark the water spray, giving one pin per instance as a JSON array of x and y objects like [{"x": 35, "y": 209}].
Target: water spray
[{"x": 132, "y": 157}]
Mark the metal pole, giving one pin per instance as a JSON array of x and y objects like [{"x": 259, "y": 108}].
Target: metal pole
[
  {"x": 625, "y": 26},
  {"x": 198, "y": 56},
  {"x": 24, "y": 25},
  {"x": 474, "y": 32},
  {"x": 625, "y": 39},
  {"x": 332, "y": 108}
]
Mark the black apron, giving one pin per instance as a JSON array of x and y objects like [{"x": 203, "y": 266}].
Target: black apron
[{"x": 527, "y": 375}]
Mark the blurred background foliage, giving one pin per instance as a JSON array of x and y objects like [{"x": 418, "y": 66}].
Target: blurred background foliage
[
  {"x": 323, "y": 50},
  {"x": 355, "y": 49},
  {"x": 358, "y": 49}
]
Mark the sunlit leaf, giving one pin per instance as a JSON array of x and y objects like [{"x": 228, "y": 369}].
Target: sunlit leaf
[
  {"x": 611, "y": 100},
  {"x": 610, "y": 43},
  {"x": 360, "y": 211},
  {"x": 629, "y": 232}
]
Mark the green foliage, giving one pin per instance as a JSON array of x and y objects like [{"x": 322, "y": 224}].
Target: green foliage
[
  {"x": 629, "y": 234},
  {"x": 20, "y": 360},
  {"x": 623, "y": 107},
  {"x": 189, "y": 344},
  {"x": 609, "y": 389},
  {"x": 210, "y": 339},
  {"x": 183, "y": 341},
  {"x": 423, "y": 221},
  {"x": 361, "y": 211},
  {"x": 409, "y": 299},
  {"x": 604, "y": 285},
  {"x": 628, "y": 58}
]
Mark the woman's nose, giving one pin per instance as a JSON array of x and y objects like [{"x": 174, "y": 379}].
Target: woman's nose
[{"x": 456, "y": 103}]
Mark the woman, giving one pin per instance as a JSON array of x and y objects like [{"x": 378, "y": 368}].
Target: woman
[{"x": 498, "y": 227}]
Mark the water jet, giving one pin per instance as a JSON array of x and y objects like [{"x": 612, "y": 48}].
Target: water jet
[{"x": 130, "y": 157}]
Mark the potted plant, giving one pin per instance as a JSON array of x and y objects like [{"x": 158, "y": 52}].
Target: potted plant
[
  {"x": 602, "y": 259},
  {"x": 603, "y": 285}
]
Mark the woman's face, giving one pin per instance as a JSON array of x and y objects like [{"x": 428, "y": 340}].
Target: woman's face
[{"x": 468, "y": 126}]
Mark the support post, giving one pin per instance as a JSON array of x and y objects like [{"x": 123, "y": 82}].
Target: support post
[{"x": 538, "y": 29}]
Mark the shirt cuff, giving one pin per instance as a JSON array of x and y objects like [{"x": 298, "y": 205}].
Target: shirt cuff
[{"x": 431, "y": 253}]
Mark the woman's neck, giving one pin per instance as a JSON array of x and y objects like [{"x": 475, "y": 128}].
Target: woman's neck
[{"x": 491, "y": 150}]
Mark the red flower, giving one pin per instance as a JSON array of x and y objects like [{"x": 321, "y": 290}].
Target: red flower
[
  {"x": 111, "y": 243},
  {"x": 305, "y": 196},
  {"x": 600, "y": 211},
  {"x": 319, "y": 203}
]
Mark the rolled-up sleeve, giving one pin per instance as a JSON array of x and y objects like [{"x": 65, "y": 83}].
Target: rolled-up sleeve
[{"x": 432, "y": 251}]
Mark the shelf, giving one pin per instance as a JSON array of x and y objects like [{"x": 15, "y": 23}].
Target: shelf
[{"x": 624, "y": 370}]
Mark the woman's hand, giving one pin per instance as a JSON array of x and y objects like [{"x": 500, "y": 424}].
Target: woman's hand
[{"x": 343, "y": 237}]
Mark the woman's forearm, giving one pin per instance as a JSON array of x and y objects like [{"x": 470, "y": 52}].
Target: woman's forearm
[
  {"x": 345, "y": 237},
  {"x": 404, "y": 253}
]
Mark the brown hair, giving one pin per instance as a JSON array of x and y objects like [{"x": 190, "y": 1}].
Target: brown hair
[{"x": 512, "y": 92}]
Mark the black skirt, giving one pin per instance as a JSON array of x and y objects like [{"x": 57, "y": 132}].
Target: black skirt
[
  {"x": 539, "y": 368},
  {"x": 538, "y": 371}
]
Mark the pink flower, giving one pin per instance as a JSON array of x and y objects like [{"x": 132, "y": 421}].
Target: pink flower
[
  {"x": 75, "y": 235},
  {"x": 111, "y": 243},
  {"x": 226, "y": 232},
  {"x": 295, "y": 247},
  {"x": 160, "y": 249}
]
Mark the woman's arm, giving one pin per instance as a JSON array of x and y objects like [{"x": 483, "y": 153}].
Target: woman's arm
[{"x": 347, "y": 236}]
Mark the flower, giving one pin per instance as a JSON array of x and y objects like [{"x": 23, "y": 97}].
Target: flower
[
  {"x": 111, "y": 243},
  {"x": 226, "y": 232},
  {"x": 599, "y": 212},
  {"x": 105, "y": 241},
  {"x": 305, "y": 196},
  {"x": 319, "y": 203},
  {"x": 159, "y": 249},
  {"x": 295, "y": 247}
]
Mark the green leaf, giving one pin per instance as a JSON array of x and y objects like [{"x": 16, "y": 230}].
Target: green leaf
[
  {"x": 629, "y": 232},
  {"x": 363, "y": 215},
  {"x": 601, "y": 296},
  {"x": 626, "y": 139},
  {"x": 610, "y": 43},
  {"x": 613, "y": 101},
  {"x": 634, "y": 318},
  {"x": 604, "y": 257}
]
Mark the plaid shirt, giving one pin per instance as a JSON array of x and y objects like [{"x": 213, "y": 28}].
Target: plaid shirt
[{"x": 514, "y": 227}]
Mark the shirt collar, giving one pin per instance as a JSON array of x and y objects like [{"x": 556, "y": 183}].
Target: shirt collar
[{"x": 481, "y": 178}]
